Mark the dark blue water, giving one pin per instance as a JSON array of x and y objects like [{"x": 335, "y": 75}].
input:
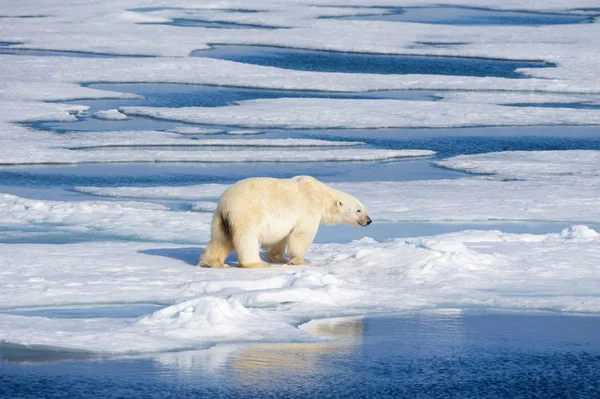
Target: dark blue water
[
  {"x": 189, "y": 95},
  {"x": 558, "y": 105},
  {"x": 209, "y": 24},
  {"x": 329, "y": 61},
  {"x": 418, "y": 355},
  {"x": 442, "y": 44},
  {"x": 15, "y": 179},
  {"x": 152, "y": 9},
  {"x": 449, "y": 15},
  {"x": 451, "y": 146}
]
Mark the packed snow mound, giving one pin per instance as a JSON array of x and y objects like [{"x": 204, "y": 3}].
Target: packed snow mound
[{"x": 579, "y": 232}]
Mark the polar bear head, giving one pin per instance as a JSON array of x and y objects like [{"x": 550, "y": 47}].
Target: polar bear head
[{"x": 347, "y": 210}]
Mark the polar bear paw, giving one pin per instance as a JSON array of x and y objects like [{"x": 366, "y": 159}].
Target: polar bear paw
[
  {"x": 254, "y": 265},
  {"x": 297, "y": 262},
  {"x": 277, "y": 259},
  {"x": 214, "y": 265}
]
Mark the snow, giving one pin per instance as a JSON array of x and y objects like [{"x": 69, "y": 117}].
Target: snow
[
  {"x": 334, "y": 113},
  {"x": 558, "y": 272},
  {"x": 192, "y": 130},
  {"x": 203, "y": 191},
  {"x": 111, "y": 115},
  {"x": 204, "y": 206},
  {"x": 532, "y": 165},
  {"x": 243, "y": 132},
  {"x": 125, "y": 220}
]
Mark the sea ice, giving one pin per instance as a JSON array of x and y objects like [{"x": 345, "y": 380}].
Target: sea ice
[
  {"x": 153, "y": 146},
  {"x": 111, "y": 115},
  {"x": 469, "y": 269},
  {"x": 155, "y": 262},
  {"x": 128, "y": 220},
  {"x": 301, "y": 113},
  {"x": 192, "y": 130}
]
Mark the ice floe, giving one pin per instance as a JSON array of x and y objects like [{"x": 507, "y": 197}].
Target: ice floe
[
  {"x": 565, "y": 166},
  {"x": 470, "y": 269},
  {"x": 192, "y": 130},
  {"x": 127, "y": 155},
  {"x": 335, "y": 113},
  {"x": 148, "y": 139},
  {"x": 111, "y": 115},
  {"x": 154, "y": 146}
]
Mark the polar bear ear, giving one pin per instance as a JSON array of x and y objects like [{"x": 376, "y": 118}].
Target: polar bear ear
[{"x": 339, "y": 204}]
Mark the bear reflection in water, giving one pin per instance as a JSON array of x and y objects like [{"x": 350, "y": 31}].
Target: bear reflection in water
[
  {"x": 259, "y": 363},
  {"x": 282, "y": 215}
]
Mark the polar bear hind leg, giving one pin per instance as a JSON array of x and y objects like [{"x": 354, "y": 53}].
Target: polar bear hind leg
[
  {"x": 275, "y": 253},
  {"x": 300, "y": 239},
  {"x": 248, "y": 250},
  {"x": 220, "y": 245}
]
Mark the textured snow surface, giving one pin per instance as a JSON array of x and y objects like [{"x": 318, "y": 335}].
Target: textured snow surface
[
  {"x": 559, "y": 272},
  {"x": 321, "y": 113},
  {"x": 131, "y": 220}
]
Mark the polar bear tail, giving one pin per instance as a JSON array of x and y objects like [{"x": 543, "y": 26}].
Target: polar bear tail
[
  {"x": 221, "y": 242},
  {"x": 224, "y": 226}
]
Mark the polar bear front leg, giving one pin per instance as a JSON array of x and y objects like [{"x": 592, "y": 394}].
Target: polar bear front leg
[
  {"x": 276, "y": 252},
  {"x": 248, "y": 250},
  {"x": 300, "y": 239}
]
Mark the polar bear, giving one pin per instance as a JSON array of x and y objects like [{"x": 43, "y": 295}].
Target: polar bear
[{"x": 276, "y": 213}]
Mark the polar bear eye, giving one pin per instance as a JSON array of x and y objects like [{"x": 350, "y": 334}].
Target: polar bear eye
[{"x": 358, "y": 210}]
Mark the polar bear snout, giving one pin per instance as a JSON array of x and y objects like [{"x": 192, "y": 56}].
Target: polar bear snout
[{"x": 364, "y": 222}]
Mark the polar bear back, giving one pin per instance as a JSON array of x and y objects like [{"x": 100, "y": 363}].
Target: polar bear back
[{"x": 272, "y": 207}]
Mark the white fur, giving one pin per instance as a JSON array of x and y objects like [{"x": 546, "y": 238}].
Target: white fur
[{"x": 277, "y": 214}]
